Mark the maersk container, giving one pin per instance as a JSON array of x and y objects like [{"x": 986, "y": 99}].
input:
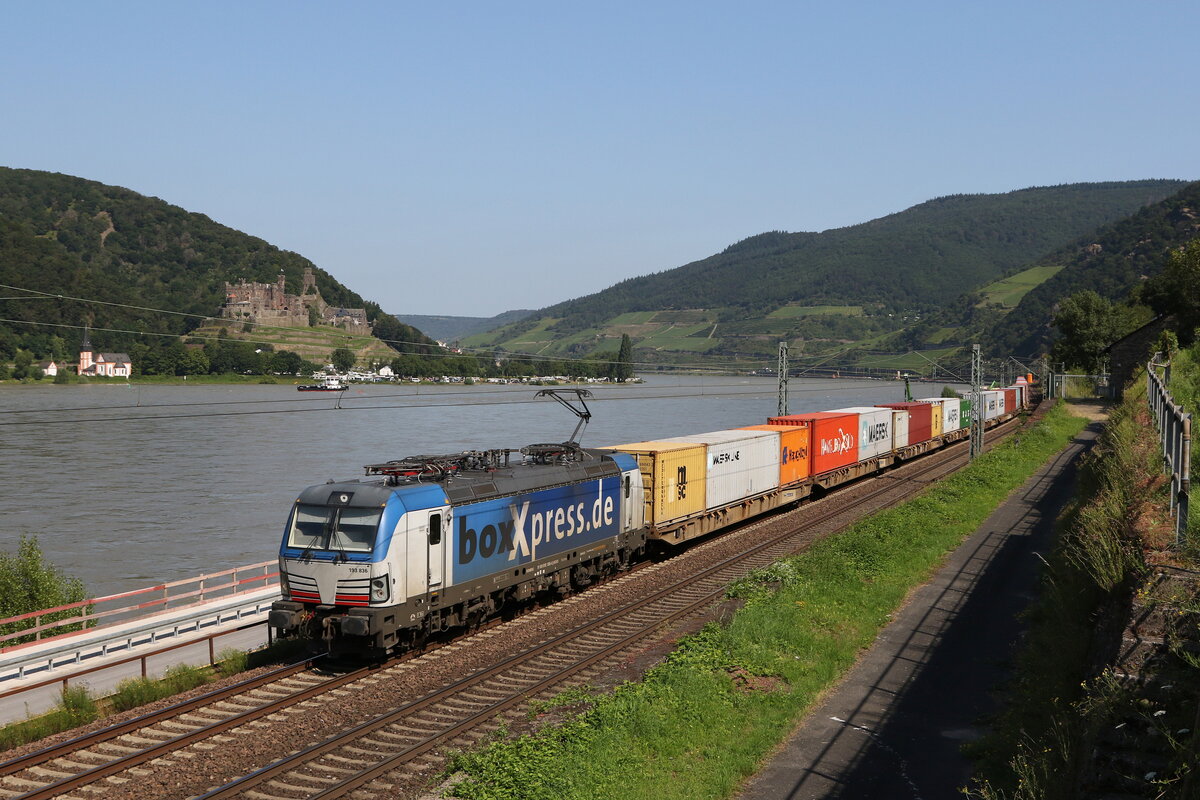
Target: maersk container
[
  {"x": 794, "y": 465},
  {"x": 740, "y": 464},
  {"x": 874, "y": 430},
  {"x": 920, "y": 420},
  {"x": 672, "y": 477},
  {"x": 951, "y": 412},
  {"x": 991, "y": 404},
  {"x": 833, "y": 442}
]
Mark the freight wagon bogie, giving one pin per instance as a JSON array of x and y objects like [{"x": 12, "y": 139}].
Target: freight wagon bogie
[{"x": 429, "y": 544}]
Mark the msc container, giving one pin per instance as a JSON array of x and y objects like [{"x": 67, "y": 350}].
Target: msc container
[
  {"x": 739, "y": 464},
  {"x": 920, "y": 420},
  {"x": 874, "y": 430},
  {"x": 672, "y": 477},
  {"x": 794, "y": 465},
  {"x": 833, "y": 442}
]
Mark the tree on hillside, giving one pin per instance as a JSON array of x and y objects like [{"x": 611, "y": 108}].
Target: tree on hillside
[
  {"x": 1087, "y": 324},
  {"x": 314, "y": 317},
  {"x": 1177, "y": 290},
  {"x": 342, "y": 359},
  {"x": 623, "y": 368}
]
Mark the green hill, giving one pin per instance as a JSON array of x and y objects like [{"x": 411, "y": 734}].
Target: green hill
[
  {"x": 79, "y": 238},
  {"x": 1111, "y": 261},
  {"x": 826, "y": 291}
]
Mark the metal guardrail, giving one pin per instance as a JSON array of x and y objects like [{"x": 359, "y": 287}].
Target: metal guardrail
[
  {"x": 114, "y": 609},
  {"x": 1175, "y": 431}
]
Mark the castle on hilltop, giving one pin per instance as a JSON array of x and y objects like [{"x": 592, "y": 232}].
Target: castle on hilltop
[{"x": 270, "y": 304}]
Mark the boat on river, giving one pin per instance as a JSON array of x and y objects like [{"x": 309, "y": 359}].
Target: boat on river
[{"x": 331, "y": 383}]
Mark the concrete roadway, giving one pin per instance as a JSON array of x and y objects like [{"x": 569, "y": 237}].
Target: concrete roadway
[{"x": 895, "y": 726}]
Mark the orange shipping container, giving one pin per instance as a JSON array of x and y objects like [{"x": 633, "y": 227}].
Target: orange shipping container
[
  {"x": 794, "y": 464},
  {"x": 834, "y": 438},
  {"x": 673, "y": 478}
]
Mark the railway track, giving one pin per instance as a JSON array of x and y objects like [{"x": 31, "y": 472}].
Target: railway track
[{"x": 361, "y": 757}]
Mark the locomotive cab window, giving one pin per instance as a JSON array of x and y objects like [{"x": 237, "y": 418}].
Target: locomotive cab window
[
  {"x": 347, "y": 530},
  {"x": 435, "y": 529}
]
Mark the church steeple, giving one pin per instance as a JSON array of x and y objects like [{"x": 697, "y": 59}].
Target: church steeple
[{"x": 86, "y": 357}]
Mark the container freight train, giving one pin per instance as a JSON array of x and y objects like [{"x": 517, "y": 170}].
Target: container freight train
[{"x": 429, "y": 543}]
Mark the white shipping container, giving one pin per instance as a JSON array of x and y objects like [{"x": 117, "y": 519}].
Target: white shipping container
[
  {"x": 951, "y": 412},
  {"x": 874, "y": 430},
  {"x": 899, "y": 428},
  {"x": 992, "y": 404},
  {"x": 740, "y": 464}
]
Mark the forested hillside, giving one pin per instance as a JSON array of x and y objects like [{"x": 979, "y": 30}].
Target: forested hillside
[
  {"x": 446, "y": 328},
  {"x": 1111, "y": 261},
  {"x": 79, "y": 238},
  {"x": 874, "y": 285},
  {"x": 918, "y": 258}
]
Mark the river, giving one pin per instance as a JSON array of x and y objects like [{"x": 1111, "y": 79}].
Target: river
[{"x": 127, "y": 486}]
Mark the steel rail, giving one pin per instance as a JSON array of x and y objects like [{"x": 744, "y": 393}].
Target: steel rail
[{"x": 389, "y": 763}]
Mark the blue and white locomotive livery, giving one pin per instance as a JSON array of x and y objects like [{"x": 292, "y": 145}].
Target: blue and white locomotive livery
[
  {"x": 428, "y": 543},
  {"x": 434, "y": 542}
]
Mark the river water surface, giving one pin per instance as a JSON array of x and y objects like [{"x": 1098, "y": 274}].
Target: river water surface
[{"x": 127, "y": 486}]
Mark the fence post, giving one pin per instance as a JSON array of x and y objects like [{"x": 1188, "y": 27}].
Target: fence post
[{"x": 1185, "y": 483}]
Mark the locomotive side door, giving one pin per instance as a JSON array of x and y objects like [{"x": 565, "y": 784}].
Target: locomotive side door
[{"x": 434, "y": 547}]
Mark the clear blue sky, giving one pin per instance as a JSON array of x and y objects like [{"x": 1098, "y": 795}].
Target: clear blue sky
[{"x": 468, "y": 158}]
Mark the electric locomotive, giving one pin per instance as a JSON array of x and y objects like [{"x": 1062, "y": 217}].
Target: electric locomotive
[{"x": 428, "y": 543}]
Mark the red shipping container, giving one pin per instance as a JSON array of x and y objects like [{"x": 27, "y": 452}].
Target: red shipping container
[
  {"x": 1010, "y": 401},
  {"x": 834, "y": 439},
  {"x": 920, "y": 420}
]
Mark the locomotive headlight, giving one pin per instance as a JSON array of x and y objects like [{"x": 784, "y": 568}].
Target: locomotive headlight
[{"x": 379, "y": 589}]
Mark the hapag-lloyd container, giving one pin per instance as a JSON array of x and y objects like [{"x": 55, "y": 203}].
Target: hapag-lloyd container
[
  {"x": 874, "y": 430},
  {"x": 833, "y": 442},
  {"x": 794, "y": 463},
  {"x": 672, "y": 477},
  {"x": 920, "y": 420},
  {"x": 739, "y": 464}
]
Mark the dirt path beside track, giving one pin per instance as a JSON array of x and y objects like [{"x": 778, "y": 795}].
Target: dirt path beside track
[{"x": 895, "y": 726}]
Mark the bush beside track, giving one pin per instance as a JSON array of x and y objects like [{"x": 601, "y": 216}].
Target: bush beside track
[{"x": 702, "y": 721}]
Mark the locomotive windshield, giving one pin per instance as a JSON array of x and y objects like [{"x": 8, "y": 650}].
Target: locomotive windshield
[{"x": 341, "y": 529}]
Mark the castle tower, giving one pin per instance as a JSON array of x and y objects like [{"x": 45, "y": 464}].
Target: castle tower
[{"x": 310, "y": 279}]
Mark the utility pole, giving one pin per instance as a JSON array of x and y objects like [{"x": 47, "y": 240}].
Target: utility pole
[
  {"x": 977, "y": 410},
  {"x": 783, "y": 378}
]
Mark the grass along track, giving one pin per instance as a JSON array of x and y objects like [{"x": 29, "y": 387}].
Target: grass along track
[
  {"x": 147, "y": 741},
  {"x": 362, "y": 760}
]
